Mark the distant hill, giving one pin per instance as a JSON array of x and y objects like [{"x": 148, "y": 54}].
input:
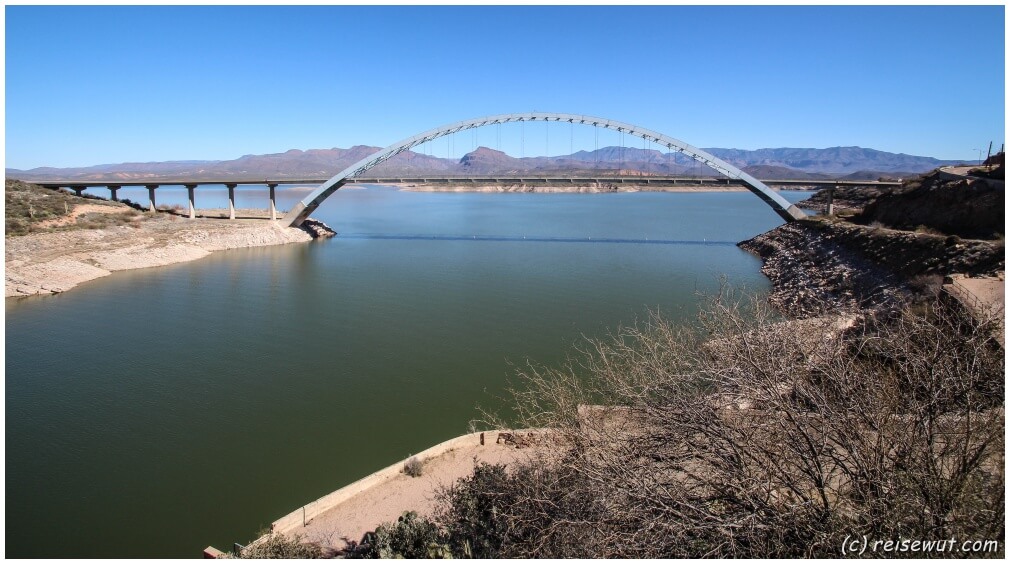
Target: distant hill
[
  {"x": 784, "y": 163},
  {"x": 834, "y": 160},
  {"x": 782, "y": 172}
]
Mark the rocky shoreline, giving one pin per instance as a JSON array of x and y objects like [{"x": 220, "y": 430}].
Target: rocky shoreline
[
  {"x": 810, "y": 273},
  {"x": 819, "y": 265}
]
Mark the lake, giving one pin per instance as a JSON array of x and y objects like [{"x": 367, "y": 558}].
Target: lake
[{"x": 155, "y": 412}]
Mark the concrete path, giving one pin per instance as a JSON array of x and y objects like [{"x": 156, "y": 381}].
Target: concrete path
[{"x": 385, "y": 502}]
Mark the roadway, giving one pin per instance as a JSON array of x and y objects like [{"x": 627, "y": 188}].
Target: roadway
[{"x": 531, "y": 179}]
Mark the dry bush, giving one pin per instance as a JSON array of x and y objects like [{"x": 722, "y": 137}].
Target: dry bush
[
  {"x": 278, "y": 545},
  {"x": 413, "y": 467},
  {"x": 748, "y": 437}
]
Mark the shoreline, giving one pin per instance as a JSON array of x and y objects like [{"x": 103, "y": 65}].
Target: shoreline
[
  {"x": 54, "y": 262},
  {"x": 353, "y": 509}
]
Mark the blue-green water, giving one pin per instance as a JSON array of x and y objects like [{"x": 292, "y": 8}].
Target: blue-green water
[{"x": 154, "y": 412}]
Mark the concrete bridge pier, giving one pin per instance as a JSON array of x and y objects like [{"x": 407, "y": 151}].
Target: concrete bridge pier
[
  {"x": 113, "y": 191},
  {"x": 231, "y": 200},
  {"x": 150, "y": 196},
  {"x": 273, "y": 201},
  {"x": 79, "y": 190},
  {"x": 191, "y": 189}
]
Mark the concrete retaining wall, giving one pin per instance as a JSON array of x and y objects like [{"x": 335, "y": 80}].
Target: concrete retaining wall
[{"x": 306, "y": 513}]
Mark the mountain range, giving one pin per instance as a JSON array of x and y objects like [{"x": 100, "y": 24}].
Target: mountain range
[{"x": 782, "y": 163}]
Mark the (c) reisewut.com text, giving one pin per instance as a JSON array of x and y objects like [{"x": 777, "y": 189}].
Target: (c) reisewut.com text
[{"x": 860, "y": 545}]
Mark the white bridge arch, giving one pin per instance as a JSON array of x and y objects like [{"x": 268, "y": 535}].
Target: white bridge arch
[{"x": 302, "y": 209}]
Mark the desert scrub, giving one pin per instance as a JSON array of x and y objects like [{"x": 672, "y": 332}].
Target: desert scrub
[
  {"x": 27, "y": 204},
  {"x": 413, "y": 467},
  {"x": 411, "y": 536},
  {"x": 278, "y": 545},
  {"x": 103, "y": 220},
  {"x": 744, "y": 436},
  {"x": 28, "y": 207}
]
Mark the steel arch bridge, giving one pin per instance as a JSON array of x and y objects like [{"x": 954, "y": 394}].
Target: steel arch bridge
[{"x": 302, "y": 209}]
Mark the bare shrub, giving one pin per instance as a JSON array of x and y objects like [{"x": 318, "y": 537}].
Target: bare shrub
[
  {"x": 277, "y": 545},
  {"x": 745, "y": 436},
  {"x": 926, "y": 284},
  {"x": 413, "y": 467},
  {"x": 927, "y": 230}
]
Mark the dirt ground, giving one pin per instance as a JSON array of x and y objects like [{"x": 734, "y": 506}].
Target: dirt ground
[{"x": 80, "y": 210}]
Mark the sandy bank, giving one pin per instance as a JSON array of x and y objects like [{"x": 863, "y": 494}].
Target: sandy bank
[{"x": 46, "y": 263}]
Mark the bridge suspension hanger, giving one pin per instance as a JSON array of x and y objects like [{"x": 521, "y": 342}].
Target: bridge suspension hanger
[
  {"x": 596, "y": 148},
  {"x": 620, "y": 167},
  {"x": 645, "y": 151}
]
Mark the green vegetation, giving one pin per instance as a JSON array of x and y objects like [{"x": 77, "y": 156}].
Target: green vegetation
[
  {"x": 410, "y": 537},
  {"x": 28, "y": 208}
]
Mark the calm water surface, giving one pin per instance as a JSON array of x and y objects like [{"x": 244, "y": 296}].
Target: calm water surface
[{"x": 155, "y": 412}]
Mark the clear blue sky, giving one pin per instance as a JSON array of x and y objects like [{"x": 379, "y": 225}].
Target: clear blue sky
[{"x": 93, "y": 85}]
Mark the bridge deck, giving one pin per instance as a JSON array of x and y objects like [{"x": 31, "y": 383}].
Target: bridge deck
[
  {"x": 192, "y": 184},
  {"x": 622, "y": 179}
]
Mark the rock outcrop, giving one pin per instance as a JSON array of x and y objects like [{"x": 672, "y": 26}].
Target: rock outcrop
[
  {"x": 317, "y": 229},
  {"x": 821, "y": 264}
]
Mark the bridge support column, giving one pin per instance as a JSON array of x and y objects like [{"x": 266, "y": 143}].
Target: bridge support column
[
  {"x": 231, "y": 200},
  {"x": 79, "y": 190},
  {"x": 273, "y": 201},
  {"x": 150, "y": 196},
  {"x": 831, "y": 202},
  {"x": 191, "y": 189},
  {"x": 113, "y": 190}
]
